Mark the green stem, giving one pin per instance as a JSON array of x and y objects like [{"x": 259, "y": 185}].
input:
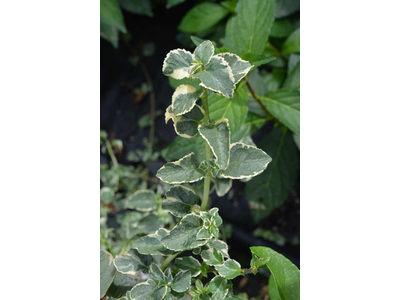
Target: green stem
[
  {"x": 111, "y": 153},
  {"x": 207, "y": 179},
  {"x": 168, "y": 260}
]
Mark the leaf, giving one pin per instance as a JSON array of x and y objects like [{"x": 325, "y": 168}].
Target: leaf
[
  {"x": 131, "y": 262},
  {"x": 217, "y": 76},
  {"x": 172, "y": 3},
  {"x": 273, "y": 81},
  {"x": 147, "y": 224},
  {"x": 292, "y": 81},
  {"x": 285, "y": 8},
  {"x": 106, "y": 194},
  {"x": 182, "y": 146},
  {"x": 281, "y": 28},
  {"x": 296, "y": 138},
  {"x": 122, "y": 284},
  {"x": 239, "y": 67},
  {"x": 258, "y": 59},
  {"x": 110, "y": 13},
  {"x": 222, "y": 186},
  {"x": 186, "y": 125},
  {"x": 110, "y": 33},
  {"x": 245, "y": 162},
  {"x": 272, "y": 289},
  {"x": 181, "y": 282},
  {"x": 107, "y": 271},
  {"x": 180, "y": 201},
  {"x": 184, "y": 99},
  {"x": 184, "y": 170},
  {"x": 285, "y": 106},
  {"x": 212, "y": 257},
  {"x": 188, "y": 263},
  {"x": 177, "y": 63},
  {"x": 157, "y": 274},
  {"x": 218, "y": 138},
  {"x": 268, "y": 191},
  {"x": 140, "y": 7},
  {"x": 151, "y": 244},
  {"x": 202, "y": 17},
  {"x": 292, "y": 43},
  {"x": 218, "y": 288},
  {"x": 184, "y": 235},
  {"x": 286, "y": 274},
  {"x": 204, "y": 52},
  {"x": 174, "y": 83},
  {"x": 235, "y": 109},
  {"x": 248, "y": 31},
  {"x": 147, "y": 291},
  {"x": 142, "y": 200},
  {"x": 229, "y": 269}
]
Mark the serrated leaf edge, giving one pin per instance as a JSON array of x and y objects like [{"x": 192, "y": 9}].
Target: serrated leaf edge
[{"x": 166, "y": 58}]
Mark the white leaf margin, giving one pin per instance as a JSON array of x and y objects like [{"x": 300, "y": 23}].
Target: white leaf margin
[
  {"x": 244, "y": 72},
  {"x": 180, "y": 74}
]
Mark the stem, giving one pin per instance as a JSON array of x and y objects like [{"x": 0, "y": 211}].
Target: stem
[
  {"x": 207, "y": 179},
  {"x": 111, "y": 153},
  {"x": 168, "y": 260}
]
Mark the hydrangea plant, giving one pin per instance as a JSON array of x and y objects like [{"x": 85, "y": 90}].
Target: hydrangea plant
[{"x": 197, "y": 227}]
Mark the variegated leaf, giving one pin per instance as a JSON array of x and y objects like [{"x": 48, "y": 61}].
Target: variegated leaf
[
  {"x": 184, "y": 170},
  {"x": 239, "y": 67},
  {"x": 218, "y": 137},
  {"x": 204, "y": 52},
  {"x": 181, "y": 281},
  {"x": 157, "y": 274},
  {"x": 245, "y": 162},
  {"x": 184, "y": 235},
  {"x": 186, "y": 125},
  {"x": 188, "y": 263},
  {"x": 131, "y": 262},
  {"x": 222, "y": 186},
  {"x": 180, "y": 201},
  {"x": 177, "y": 63},
  {"x": 147, "y": 291},
  {"x": 218, "y": 286},
  {"x": 142, "y": 200},
  {"x": 229, "y": 269},
  {"x": 217, "y": 76},
  {"x": 184, "y": 99},
  {"x": 151, "y": 244},
  {"x": 212, "y": 257},
  {"x": 107, "y": 271}
]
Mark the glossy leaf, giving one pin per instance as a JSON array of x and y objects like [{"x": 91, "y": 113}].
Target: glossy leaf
[
  {"x": 249, "y": 30},
  {"x": 188, "y": 263},
  {"x": 239, "y": 67},
  {"x": 245, "y": 162},
  {"x": 202, "y": 17},
  {"x": 107, "y": 271},
  {"x": 142, "y": 200},
  {"x": 184, "y": 99},
  {"x": 204, "y": 52},
  {"x": 218, "y": 138},
  {"x": 285, "y": 106},
  {"x": 177, "y": 63},
  {"x": 229, "y": 269},
  {"x": 217, "y": 76},
  {"x": 151, "y": 244},
  {"x": 184, "y": 170},
  {"x": 131, "y": 262},
  {"x": 286, "y": 274}
]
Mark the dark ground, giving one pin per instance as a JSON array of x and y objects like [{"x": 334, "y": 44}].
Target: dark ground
[{"x": 120, "y": 113}]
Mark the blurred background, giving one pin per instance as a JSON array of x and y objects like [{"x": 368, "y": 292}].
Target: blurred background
[{"x": 134, "y": 95}]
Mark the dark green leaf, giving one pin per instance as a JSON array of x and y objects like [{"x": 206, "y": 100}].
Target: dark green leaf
[
  {"x": 107, "y": 271},
  {"x": 285, "y": 8},
  {"x": 292, "y": 43},
  {"x": 110, "y": 33},
  {"x": 110, "y": 13},
  {"x": 172, "y": 3},
  {"x": 140, "y": 7}
]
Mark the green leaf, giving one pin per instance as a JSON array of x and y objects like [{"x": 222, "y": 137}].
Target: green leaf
[
  {"x": 204, "y": 52},
  {"x": 285, "y": 8},
  {"x": 182, "y": 146},
  {"x": 274, "y": 80},
  {"x": 180, "y": 201},
  {"x": 157, "y": 274},
  {"x": 202, "y": 17},
  {"x": 218, "y": 288},
  {"x": 222, "y": 186},
  {"x": 218, "y": 138},
  {"x": 174, "y": 83},
  {"x": 106, "y": 194},
  {"x": 177, "y": 63},
  {"x": 147, "y": 291},
  {"x": 217, "y": 76},
  {"x": 181, "y": 282},
  {"x": 296, "y": 138},
  {"x": 110, "y": 33},
  {"x": 248, "y": 31},
  {"x": 172, "y": 3},
  {"x": 188, "y": 263},
  {"x": 229, "y": 269},
  {"x": 148, "y": 223},
  {"x": 281, "y": 28},
  {"x": 151, "y": 244},
  {"x": 142, "y": 200},
  {"x": 245, "y": 162},
  {"x": 235, "y": 109},
  {"x": 140, "y": 7},
  {"x": 285, "y": 273},
  {"x": 239, "y": 67},
  {"x": 285, "y": 106},
  {"x": 268, "y": 191},
  {"x": 212, "y": 257},
  {"x": 110, "y": 13},
  {"x": 184, "y": 99},
  {"x": 184, "y": 235},
  {"x": 107, "y": 271},
  {"x": 258, "y": 59},
  {"x": 131, "y": 262},
  {"x": 292, "y": 43},
  {"x": 122, "y": 284},
  {"x": 272, "y": 289},
  {"x": 186, "y": 125},
  {"x": 184, "y": 170},
  {"x": 292, "y": 81}
]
